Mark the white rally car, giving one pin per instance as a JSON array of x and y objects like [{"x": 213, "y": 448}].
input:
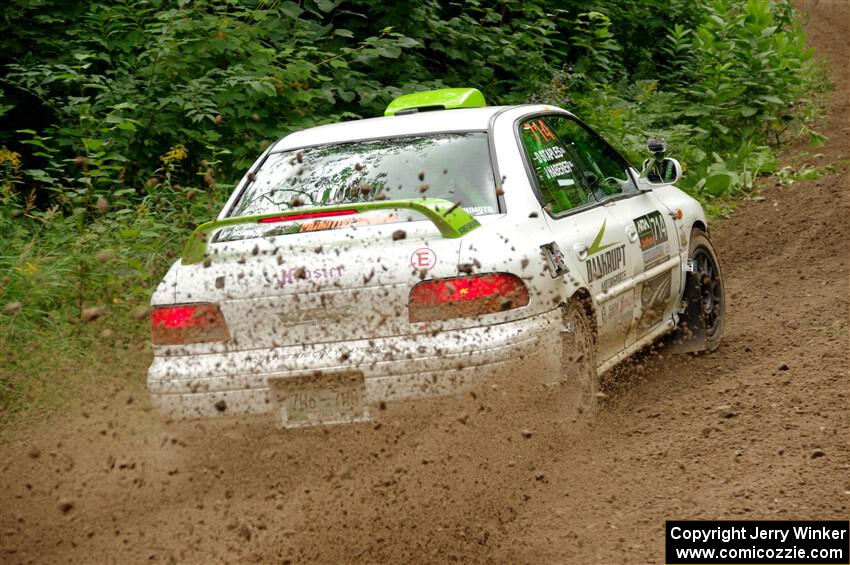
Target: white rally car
[{"x": 402, "y": 256}]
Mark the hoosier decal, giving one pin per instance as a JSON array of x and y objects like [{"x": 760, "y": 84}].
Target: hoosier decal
[
  {"x": 293, "y": 275},
  {"x": 652, "y": 232}
]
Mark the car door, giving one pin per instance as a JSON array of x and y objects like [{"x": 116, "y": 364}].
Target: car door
[
  {"x": 651, "y": 243},
  {"x": 654, "y": 244},
  {"x": 583, "y": 226}
]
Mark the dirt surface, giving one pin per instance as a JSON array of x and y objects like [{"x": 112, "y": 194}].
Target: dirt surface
[{"x": 758, "y": 429}]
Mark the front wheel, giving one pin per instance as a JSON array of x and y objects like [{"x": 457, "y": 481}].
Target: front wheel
[{"x": 705, "y": 298}]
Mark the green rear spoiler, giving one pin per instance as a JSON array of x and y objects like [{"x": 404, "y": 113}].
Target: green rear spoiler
[
  {"x": 452, "y": 220},
  {"x": 442, "y": 99}
]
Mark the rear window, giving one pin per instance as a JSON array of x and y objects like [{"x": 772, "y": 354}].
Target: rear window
[{"x": 455, "y": 167}]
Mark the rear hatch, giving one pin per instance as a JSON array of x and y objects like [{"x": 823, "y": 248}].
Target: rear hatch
[
  {"x": 324, "y": 243},
  {"x": 318, "y": 288}
]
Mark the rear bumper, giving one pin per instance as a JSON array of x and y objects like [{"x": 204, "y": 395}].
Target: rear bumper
[{"x": 394, "y": 368}]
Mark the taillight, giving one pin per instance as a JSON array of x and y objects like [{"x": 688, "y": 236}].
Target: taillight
[
  {"x": 442, "y": 299},
  {"x": 188, "y": 323}
]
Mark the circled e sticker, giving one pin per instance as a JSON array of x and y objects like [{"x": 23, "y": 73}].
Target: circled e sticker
[{"x": 423, "y": 259}]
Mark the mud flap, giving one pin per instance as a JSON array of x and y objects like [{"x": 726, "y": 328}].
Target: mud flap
[{"x": 690, "y": 336}]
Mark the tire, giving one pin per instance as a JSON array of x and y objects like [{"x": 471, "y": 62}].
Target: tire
[
  {"x": 708, "y": 292},
  {"x": 578, "y": 362}
]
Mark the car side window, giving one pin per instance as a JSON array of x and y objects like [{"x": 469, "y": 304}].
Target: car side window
[
  {"x": 553, "y": 167},
  {"x": 603, "y": 170}
]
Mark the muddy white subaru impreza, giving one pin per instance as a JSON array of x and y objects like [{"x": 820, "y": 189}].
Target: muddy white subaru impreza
[{"x": 407, "y": 255}]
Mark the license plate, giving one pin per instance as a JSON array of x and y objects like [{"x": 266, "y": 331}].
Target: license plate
[{"x": 320, "y": 399}]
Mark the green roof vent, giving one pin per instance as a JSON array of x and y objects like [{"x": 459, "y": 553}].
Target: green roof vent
[{"x": 443, "y": 99}]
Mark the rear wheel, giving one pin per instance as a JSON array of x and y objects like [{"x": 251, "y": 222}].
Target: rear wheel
[{"x": 578, "y": 361}]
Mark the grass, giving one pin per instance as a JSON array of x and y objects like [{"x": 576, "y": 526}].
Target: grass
[{"x": 63, "y": 364}]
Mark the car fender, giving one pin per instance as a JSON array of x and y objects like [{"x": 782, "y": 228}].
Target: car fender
[{"x": 692, "y": 213}]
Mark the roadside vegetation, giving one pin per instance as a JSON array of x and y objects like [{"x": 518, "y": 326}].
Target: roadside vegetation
[{"x": 125, "y": 124}]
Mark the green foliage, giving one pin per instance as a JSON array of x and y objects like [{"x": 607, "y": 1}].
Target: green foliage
[
  {"x": 125, "y": 81},
  {"x": 124, "y": 123},
  {"x": 727, "y": 87}
]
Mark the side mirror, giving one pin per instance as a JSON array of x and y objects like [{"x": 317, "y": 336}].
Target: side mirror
[{"x": 664, "y": 171}]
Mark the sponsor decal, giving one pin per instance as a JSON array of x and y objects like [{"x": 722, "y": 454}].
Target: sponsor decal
[
  {"x": 618, "y": 308},
  {"x": 654, "y": 298},
  {"x": 683, "y": 239},
  {"x": 294, "y": 275},
  {"x": 612, "y": 281},
  {"x": 606, "y": 263},
  {"x": 360, "y": 220},
  {"x": 326, "y": 225},
  {"x": 423, "y": 259},
  {"x": 652, "y": 234},
  {"x": 479, "y": 210},
  {"x": 471, "y": 225},
  {"x": 597, "y": 246},
  {"x": 601, "y": 263}
]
